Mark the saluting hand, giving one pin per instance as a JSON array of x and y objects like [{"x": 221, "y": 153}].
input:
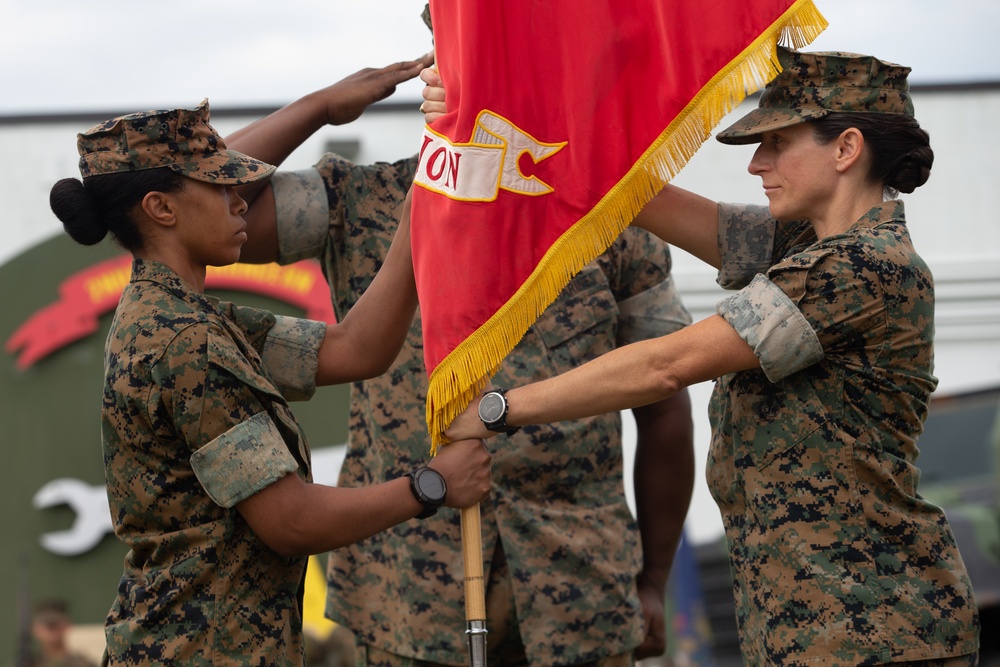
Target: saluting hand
[{"x": 348, "y": 98}]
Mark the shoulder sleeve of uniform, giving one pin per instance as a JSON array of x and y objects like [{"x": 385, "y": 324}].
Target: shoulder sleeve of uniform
[
  {"x": 218, "y": 404},
  {"x": 242, "y": 461},
  {"x": 288, "y": 346},
  {"x": 255, "y": 323},
  {"x": 207, "y": 384},
  {"x": 839, "y": 291},
  {"x": 746, "y": 243},
  {"x": 302, "y": 213},
  {"x": 769, "y": 321},
  {"x": 291, "y": 355}
]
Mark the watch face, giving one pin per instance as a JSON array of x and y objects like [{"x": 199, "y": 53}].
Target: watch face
[
  {"x": 491, "y": 408},
  {"x": 431, "y": 484}
]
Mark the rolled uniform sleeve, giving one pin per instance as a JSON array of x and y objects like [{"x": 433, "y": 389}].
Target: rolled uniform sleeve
[
  {"x": 767, "y": 319},
  {"x": 291, "y": 355},
  {"x": 288, "y": 347},
  {"x": 242, "y": 461},
  {"x": 218, "y": 404},
  {"x": 823, "y": 301},
  {"x": 303, "y": 211}
]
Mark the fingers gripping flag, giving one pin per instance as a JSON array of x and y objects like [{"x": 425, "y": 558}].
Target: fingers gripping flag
[{"x": 564, "y": 119}]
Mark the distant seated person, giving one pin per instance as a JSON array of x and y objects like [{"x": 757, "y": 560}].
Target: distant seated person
[{"x": 50, "y": 628}]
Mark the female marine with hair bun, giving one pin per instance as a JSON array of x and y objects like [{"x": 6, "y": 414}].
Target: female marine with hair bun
[
  {"x": 208, "y": 472},
  {"x": 823, "y": 367}
]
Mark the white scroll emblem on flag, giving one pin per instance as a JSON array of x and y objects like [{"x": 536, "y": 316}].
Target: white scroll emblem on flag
[{"x": 478, "y": 170}]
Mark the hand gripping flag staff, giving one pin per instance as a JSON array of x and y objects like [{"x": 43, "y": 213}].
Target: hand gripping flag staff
[{"x": 564, "y": 119}]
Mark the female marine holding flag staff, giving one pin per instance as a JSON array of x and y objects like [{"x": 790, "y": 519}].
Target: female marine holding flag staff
[
  {"x": 823, "y": 363},
  {"x": 208, "y": 472}
]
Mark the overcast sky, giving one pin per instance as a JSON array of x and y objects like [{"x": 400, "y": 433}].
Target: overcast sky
[{"x": 75, "y": 55}]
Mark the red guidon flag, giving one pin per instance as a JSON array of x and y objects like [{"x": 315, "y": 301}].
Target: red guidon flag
[{"x": 564, "y": 119}]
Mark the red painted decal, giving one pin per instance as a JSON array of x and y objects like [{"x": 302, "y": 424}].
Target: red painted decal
[{"x": 88, "y": 294}]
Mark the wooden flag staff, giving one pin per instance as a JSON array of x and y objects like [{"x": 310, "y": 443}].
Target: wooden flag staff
[{"x": 475, "y": 591}]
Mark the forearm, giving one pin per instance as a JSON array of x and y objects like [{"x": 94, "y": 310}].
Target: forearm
[
  {"x": 627, "y": 377},
  {"x": 274, "y": 137},
  {"x": 295, "y": 518},
  {"x": 333, "y": 517},
  {"x": 624, "y": 378},
  {"x": 634, "y": 375},
  {"x": 685, "y": 220},
  {"x": 663, "y": 480}
]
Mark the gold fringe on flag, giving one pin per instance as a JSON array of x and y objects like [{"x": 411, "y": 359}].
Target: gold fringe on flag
[{"x": 466, "y": 371}]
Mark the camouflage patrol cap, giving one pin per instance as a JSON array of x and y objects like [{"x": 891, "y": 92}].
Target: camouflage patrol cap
[
  {"x": 179, "y": 139},
  {"x": 812, "y": 85}
]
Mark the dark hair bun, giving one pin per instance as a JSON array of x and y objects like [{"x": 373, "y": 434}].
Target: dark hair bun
[
  {"x": 913, "y": 170},
  {"x": 77, "y": 210}
]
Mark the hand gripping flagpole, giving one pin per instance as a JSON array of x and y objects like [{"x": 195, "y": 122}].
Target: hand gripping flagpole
[{"x": 475, "y": 592}]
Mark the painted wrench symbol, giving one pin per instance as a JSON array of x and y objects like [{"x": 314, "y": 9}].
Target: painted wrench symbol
[{"x": 93, "y": 515}]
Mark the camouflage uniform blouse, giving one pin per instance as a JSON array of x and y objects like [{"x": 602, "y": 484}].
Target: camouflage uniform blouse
[
  {"x": 195, "y": 420},
  {"x": 836, "y": 558},
  {"x": 558, "y": 503}
]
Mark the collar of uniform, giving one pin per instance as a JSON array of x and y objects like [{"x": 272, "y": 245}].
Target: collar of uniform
[
  {"x": 161, "y": 274},
  {"x": 888, "y": 211},
  {"x": 154, "y": 272}
]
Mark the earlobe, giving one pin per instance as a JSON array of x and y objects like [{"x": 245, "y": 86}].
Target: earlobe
[{"x": 159, "y": 207}]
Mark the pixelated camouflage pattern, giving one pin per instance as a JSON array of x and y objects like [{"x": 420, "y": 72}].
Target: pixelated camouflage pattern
[
  {"x": 289, "y": 355},
  {"x": 369, "y": 656},
  {"x": 837, "y": 560},
  {"x": 966, "y": 660},
  {"x": 558, "y": 503},
  {"x": 811, "y": 85},
  {"x": 781, "y": 337},
  {"x": 743, "y": 232},
  {"x": 242, "y": 461},
  {"x": 198, "y": 587},
  {"x": 505, "y": 646},
  {"x": 179, "y": 139}
]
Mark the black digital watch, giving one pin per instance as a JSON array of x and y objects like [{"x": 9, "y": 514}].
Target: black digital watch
[{"x": 429, "y": 488}]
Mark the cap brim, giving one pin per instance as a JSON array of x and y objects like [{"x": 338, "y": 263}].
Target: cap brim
[
  {"x": 747, "y": 130},
  {"x": 230, "y": 168}
]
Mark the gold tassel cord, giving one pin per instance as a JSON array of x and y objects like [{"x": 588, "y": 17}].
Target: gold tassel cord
[{"x": 466, "y": 370}]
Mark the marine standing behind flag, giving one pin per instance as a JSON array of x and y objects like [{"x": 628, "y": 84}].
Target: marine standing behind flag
[{"x": 569, "y": 580}]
